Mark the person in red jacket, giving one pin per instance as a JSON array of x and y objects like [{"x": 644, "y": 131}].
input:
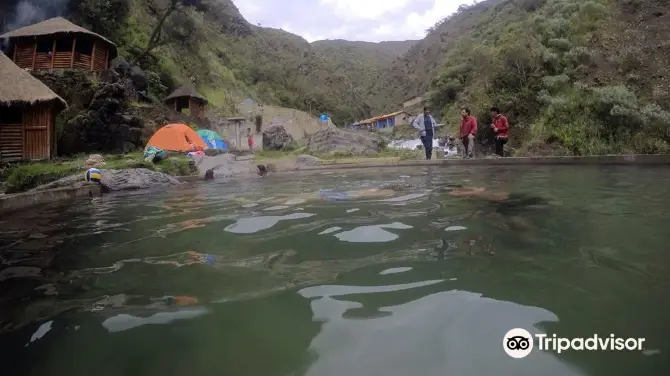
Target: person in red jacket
[
  {"x": 468, "y": 131},
  {"x": 500, "y": 127}
]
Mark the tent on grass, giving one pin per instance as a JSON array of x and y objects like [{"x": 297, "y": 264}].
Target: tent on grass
[
  {"x": 212, "y": 139},
  {"x": 177, "y": 137}
]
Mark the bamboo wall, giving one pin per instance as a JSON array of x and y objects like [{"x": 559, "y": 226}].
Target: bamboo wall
[
  {"x": 33, "y": 139},
  {"x": 26, "y": 56},
  {"x": 11, "y": 142}
]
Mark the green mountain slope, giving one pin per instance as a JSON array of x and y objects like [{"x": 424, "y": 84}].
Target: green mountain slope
[
  {"x": 586, "y": 76},
  {"x": 208, "y": 42}
]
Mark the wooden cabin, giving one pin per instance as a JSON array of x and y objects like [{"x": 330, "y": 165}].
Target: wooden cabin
[
  {"x": 59, "y": 44},
  {"x": 28, "y": 110},
  {"x": 185, "y": 97}
]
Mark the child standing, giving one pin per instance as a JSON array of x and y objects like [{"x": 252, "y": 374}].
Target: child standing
[{"x": 250, "y": 139}]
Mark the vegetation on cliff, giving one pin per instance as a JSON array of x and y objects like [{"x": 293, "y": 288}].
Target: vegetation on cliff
[
  {"x": 210, "y": 44},
  {"x": 587, "y": 77},
  {"x": 584, "y": 75}
]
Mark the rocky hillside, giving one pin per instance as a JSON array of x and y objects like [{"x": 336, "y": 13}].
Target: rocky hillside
[
  {"x": 208, "y": 42},
  {"x": 585, "y": 76}
]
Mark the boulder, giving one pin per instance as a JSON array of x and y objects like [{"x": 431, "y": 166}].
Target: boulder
[
  {"x": 118, "y": 180},
  {"x": 109, "y": 76},
  {"x": 135, "y": 178},
  {"x": 277, "y": 138},
  {"x": 223, "y": 165},
  {"x": 335, "y": 140},
  {"x": 106, "y": 125},
  {"x": 121, "y": 66},
  {"x": 307, "y": 160},
  {"x": 139, "y": 78},
  {"x": 94, "y": 160}
]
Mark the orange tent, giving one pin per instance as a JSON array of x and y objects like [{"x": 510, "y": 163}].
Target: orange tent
[{"x": 177, "y": 137}]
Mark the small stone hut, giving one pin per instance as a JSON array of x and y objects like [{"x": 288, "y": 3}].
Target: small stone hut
[
  {"x": 28, "y": 109},
  {"x": 59, "y": 44},
  {"x": 186, "y": 97}
]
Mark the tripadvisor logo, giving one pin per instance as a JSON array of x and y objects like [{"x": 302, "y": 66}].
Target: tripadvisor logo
[{"x": 518, "y": 343}]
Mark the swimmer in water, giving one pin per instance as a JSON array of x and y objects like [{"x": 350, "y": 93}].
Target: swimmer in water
[
  {"x": 508, "y": 207},
  {"x": 330, "y": 195}
]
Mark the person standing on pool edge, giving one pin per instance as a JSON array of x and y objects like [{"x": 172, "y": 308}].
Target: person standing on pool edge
[
  {"x": 468, "y": 131},
  {"x": 426, "y": 126},
  {"x": 500, "y": 127},
  {"x": 250, "y": 139}
]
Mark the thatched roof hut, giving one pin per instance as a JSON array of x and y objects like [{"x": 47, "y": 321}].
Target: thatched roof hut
[
  {"x": 186, "y": 97},
  {"x": 21, "y": 88},
  {"x": 27, "y": 114},
  {"x": 58, "y": 43},
  {"x": 185, "y": 91}
]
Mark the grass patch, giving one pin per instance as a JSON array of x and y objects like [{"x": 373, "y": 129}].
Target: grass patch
[
  {"x": 26, "y": 176},
  {"x": 21, "y": 178}
]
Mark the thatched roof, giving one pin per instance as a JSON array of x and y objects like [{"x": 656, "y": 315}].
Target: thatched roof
[
  {"x": 20, "y": 87},
  {"x": 57, "y": 25},
  {"x": 185, "y": 91}
]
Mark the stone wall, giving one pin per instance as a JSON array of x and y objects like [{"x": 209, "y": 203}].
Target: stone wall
[{"x": 99, "y": 117}]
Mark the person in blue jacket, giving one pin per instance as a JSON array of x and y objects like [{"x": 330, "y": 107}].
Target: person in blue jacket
[{"x": 425, "y": 124}]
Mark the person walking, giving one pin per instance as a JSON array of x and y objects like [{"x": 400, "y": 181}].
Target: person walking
[
  {"x": 468, "y": 131},
  {"x": 500, "y": 127},
  {"x": 426, "y": 126}
]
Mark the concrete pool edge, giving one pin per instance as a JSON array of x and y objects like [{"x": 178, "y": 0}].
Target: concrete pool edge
[
  {"x": 603, "y": 160},
  {"x": 24, "y": 200}
]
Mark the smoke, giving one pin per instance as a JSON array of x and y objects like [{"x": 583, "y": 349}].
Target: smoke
[
  {"x": 15, "y": 14},
  {"x": 27, "y": 12}
]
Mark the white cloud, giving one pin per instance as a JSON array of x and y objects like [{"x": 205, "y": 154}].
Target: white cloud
[
  {"x": 384, "y": 30},
  {"x": 305, "y": 34},
  {"x": 416, "y": 24},
  {"x": 248, "y": 8},
  {"x": 368, "y": 20},
  {"x": 365, "y": 9}
]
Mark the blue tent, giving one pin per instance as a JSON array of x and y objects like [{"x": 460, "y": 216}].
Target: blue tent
[{"x": 212, "y": 139}]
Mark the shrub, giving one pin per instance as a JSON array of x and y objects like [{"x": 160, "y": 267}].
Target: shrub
[
  {"x": 532, "y": 5},
  {"x": 628, "y": 58},
  {"x": 555, "y": 82},
  {"x": 258, "y": 120},
  {"x": 559, "y": 44},
  {"x": 458, "y": 72},
  {"x": 156, "y": 87},
  {"x": 656, "y": 120},
  {"x": 105, "y": 17},
  {"x": 558, "y": 27},
  {"x": 445, "y": 92},
  {"x": 579, "y": 56},
  {"x": 28, "y": 176}
]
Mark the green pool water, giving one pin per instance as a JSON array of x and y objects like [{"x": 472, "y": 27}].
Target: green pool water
[{"x": 292, "y": 275}]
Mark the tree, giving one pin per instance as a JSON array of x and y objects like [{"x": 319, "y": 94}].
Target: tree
[{"x": 156, "y": 35}]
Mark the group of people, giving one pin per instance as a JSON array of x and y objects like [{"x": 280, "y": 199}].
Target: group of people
[{"x": 425, "y": 124}]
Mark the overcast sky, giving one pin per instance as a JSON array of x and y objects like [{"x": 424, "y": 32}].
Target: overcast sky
[{"x": 368, "y": 20}]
